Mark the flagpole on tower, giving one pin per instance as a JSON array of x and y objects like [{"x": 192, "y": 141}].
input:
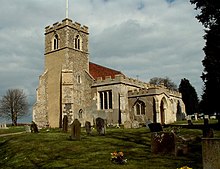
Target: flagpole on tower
[{"x": 67, "y": 8}]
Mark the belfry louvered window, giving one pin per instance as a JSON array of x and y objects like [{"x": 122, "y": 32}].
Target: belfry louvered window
[{"x": 55, "y": 42}]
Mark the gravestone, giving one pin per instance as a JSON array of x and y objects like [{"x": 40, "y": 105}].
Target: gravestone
[
  {"x": 211, "y": 153},
  {"x": 155, "y": 127},
  {"x": 34, "y": 128},
  {"x": 27, "y": 129},
  {"x": 163, "y": 143},
  {"x": 65, "y": 123},
  {"x": 135, "y": 124},
  {"x": 100, "y": 126},
  {"x": 3, "y": 126},
  {"x": 88, "y": 128},
  {"x": 75, "y": 130},
  {"x": 189, "y": 122},
  {"x": 127, "y": 124},
  {"x": 148, "y": 122}
]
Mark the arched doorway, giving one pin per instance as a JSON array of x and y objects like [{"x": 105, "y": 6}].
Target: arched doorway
[
  {"x": 162, "y": 114},
  {"x": 163, "y": 106}
]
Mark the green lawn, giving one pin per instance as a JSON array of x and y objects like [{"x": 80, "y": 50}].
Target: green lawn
[
  {"x": 12, "y": 130},
  {"x": 53, "y": 149}
]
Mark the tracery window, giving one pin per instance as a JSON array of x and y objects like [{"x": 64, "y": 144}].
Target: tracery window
[
  {"x": 139, "y": 108},
  {"x": 105, "y": 100}
]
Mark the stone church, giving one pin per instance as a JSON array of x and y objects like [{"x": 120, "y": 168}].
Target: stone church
[{"x": 72, "y": 85}]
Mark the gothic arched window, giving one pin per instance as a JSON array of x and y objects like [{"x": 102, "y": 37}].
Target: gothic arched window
[
  {"x": 139, "y": 108},
  {"x": 80, "y": 113},
  {"x": 55, "y": 42},
  {"x": 77, "y": 42}
]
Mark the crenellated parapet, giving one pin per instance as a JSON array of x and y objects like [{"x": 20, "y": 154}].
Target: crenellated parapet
[
  {"x": 156, "y": 90},
  {"x": 66, "y": 22},
  {"x": 120, "y": 79}
]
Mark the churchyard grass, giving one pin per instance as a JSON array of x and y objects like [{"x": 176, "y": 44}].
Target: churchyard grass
[
  {"x": 12, "y": 130},
  {"x": 54, "y": 149}
]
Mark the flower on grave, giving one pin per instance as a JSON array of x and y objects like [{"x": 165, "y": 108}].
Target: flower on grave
[
  {"x": 118, "y": 157},
  {"x": 185, "y": 167}
]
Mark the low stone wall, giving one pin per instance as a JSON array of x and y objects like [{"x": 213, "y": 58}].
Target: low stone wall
[{"x": 211, "y": 153}]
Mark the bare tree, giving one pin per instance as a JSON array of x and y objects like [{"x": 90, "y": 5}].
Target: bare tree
[
  {"x": 13, "y": 105},
  {"x": 165, "y": 81}
]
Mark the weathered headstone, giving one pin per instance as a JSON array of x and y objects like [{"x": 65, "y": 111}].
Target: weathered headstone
[
  {"x": 163, "y": 143},
  {"x": 75, "y": 130},
  {"x": 88, "y": 128},
  {"x": 27, "y": 129},
  {"x": 100, "y": 126},
  {"x": 34, "y": 128},
  {"x": 65, "y": 123},
  {"x": 211, "y": 153},
  {"x": 155, "y": 127},
  {"x": 3, "y": 126}
]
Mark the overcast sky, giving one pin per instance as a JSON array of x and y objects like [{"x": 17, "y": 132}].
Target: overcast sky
[{"x": 141, "y": 38}]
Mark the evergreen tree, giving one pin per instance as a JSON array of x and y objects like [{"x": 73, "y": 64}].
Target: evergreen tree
[
  {"x": 210, "y": 17},
  {"x": 189, "y": 96}
]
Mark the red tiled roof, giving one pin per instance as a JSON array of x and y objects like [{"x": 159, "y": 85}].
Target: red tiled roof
[{"x": 101, "y": 71}]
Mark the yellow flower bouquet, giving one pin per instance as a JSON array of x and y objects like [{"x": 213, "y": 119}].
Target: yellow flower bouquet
[{"x": 118, "y": 157}]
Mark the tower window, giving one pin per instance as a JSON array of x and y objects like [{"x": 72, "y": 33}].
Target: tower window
[
  {"x": 55, "y": 42},
  {"x": 77, "y": 42}
]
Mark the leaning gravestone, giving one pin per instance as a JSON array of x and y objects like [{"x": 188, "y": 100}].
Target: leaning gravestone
[
  {"x": 88, "y": 128},
  {"x": 75, "y": 130},
  {"x": 34, "y": 128},
  {"x": 100, "y": 126},
  {"x": 65, "y": 123},
  {"x": 163, "y": 143}
]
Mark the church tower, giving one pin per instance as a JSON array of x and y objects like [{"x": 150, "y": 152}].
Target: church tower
[{"x": 62, "y": 86}]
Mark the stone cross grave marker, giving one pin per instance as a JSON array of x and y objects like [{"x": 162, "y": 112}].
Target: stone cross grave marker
[
  {"x": 100, "y": 126},
  {"x": 75, "y": 130},
  {"x": 88, "y": 128},
  {"x": 65, "y": 123}
]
